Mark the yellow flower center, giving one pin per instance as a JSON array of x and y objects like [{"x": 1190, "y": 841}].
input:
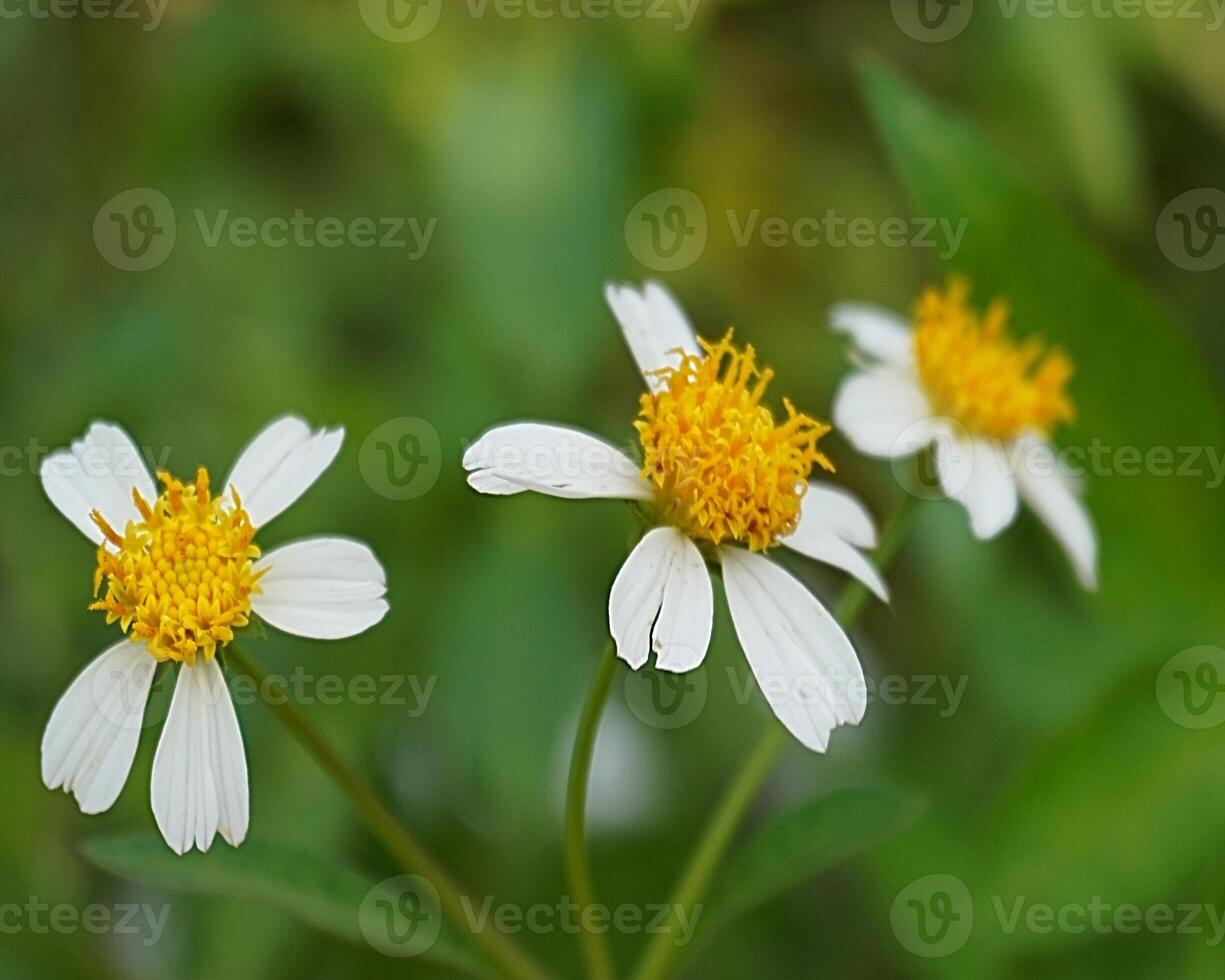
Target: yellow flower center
[
  {"x": 974, "y": 372},
  {"x": 722, "y": 468},
  {"x": 182, "y": 578}
]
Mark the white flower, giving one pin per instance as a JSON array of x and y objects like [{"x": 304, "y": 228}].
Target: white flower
[
  {"x": 956, "y": 381},
  {"x": 724, "y": 481},
  {"x": 179, "y": 572}
]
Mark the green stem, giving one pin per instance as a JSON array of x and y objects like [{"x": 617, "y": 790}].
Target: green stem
[
  {"x": 383, "y": 824},
  {"x": 662, "y": 952},
  {"x": 596, "y": 954}
]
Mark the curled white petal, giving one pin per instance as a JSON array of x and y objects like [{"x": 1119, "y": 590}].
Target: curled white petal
[
  {"x": 801, "y": 658},
  {"x": 662, "y": 600},
  {"x": 824, "y": 546},
  {"x": 554, "y": 460},
  {"x": 975, "y": 473},
  {"x": 280, "y": 464},
  {"x": 98, "y": 471},
  {"x": 884, "y": 413},
  {"x": 91, "y": 737},
  {"x": 1052, "y": 496},
  {"x": 655, "y": 327},
  {"x": 199, "y": 782},
  {"x": 877, "y": 332},
  {"x": 831, "y": 508},
  {"x": 323, "y": 588}
]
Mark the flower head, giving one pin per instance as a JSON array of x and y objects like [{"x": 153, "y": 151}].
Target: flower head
[
  {"x": 988, "y": 404},
  {"x": 974, "y": 372},
  {"x": 723, "y": 469},
  {"x": 725, "y": 479},
  {"x": 179, "y": 573},
  {"x": 181, "y": 578}
]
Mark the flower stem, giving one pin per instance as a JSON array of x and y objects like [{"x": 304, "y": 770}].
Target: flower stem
[
  {"x": 383, "y": 824},
  {"x": 662, "y": 951},
  {"x": 596, "y": 954}
]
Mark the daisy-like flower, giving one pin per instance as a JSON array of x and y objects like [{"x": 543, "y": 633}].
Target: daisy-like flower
[
  {"x": 723, "y": 481},
  {"x": 988, "y": 404},
  {"x": 179, "y": 573}
]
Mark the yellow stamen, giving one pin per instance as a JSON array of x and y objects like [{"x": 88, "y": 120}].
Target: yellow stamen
[
  {"x": 975, "y": 373},
  {"x": 722, "y": 468},
  {"x": 182, "y": 578}
]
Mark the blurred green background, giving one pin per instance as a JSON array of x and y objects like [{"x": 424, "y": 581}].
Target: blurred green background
[{"x": 1057, "y": 776}]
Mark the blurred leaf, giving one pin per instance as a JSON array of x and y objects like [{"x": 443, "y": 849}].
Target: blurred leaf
[
  {"x": 1126, "y": 807},
  {"x": 313, "y": 890},
  {"x": 805, "y": 842},
  {"x": 1125, "y": 804}
]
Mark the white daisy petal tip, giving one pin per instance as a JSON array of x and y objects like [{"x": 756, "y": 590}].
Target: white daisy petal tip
[
  {"x": 803, "y": 661},
  {"x": 975, "y": 473},
  {"x": 554, "y": 460},
  {"x": 833, "y": 528},
  {"x": 90, "y": 740},
  {"x": 883, "y": 412},
  {"x": 877, "y": 333},
  {"x": 323, "y": 588},
  {"x": 662, "y": 602},
  {"x": 280, "y": 464},
  {"x": 654, "y": 325},
  {"x": 199, "y": 785},
  {"x": 99, "y": 471},
  {"x": 1055, "y": 498}
]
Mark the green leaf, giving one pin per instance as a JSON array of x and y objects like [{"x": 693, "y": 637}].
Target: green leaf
[
  {"x": 1127, "y": 806},
  {"x": 317, "y": 892},
  {"x": 803, "y": 843}
]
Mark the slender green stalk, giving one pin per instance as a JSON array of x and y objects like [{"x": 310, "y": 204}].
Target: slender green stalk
[
  {"x": 662, "y": 952},
  {"x": 596, "y": 954},
  {"x": 393, "y": 835}
]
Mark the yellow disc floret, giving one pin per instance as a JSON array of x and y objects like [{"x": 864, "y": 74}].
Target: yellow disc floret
[
  {"x": 974, "y": 372},
  {"x": 180, "y": 579},
  {"x": 722, "y": 467}
]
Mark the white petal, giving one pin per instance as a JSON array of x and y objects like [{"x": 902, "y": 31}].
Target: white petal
[
  {"x": 662, "y": 600},
  {"x": 200, "y": 769},
  {"x": 803, "y": 661},
  {"x": 638, "y": 592},
  {"x": 99, "y": 471},
  {"x": 1052, "y": 496},
  {"x": 822, "y": 545},
  {"x": 321, "y": 588},
  {"x": 654, "y": 325},
  {"x": 280, "y": 464},
  {"x": 879, "y": 333},
  {"x": 830, "y": 508},
  {"x": 883, "y": 412},
  {"x": 682, "y": 632},
  {"x": 975, "y": 473},
  {"x": 90, "y": 740},
  {"x": 554, "y": 460}
]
